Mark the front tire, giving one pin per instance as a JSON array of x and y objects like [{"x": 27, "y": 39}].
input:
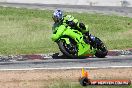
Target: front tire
[{"x": 68, "y": 50}]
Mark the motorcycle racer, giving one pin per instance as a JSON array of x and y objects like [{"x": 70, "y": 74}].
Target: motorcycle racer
[
  {"x": 63, "y": 21},
  {"x": 73, "y": 37}
]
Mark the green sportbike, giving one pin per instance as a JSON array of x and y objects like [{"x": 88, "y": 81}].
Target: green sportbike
[{"x": 73, "y": 44}]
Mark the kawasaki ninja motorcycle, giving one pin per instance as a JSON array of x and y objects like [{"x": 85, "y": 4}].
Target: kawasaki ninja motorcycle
[{"x": 73, "y": 44}]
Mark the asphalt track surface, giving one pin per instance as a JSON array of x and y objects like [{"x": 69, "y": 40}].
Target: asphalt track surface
[{"x": 109, "y": 61}]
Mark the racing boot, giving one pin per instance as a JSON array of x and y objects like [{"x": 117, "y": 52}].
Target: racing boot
[{"x": 94, "y": 41}]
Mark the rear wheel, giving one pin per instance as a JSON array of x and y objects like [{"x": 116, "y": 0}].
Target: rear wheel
[
  {"x": 101, "y": 49},
  {"x": 69, "y": 50}
]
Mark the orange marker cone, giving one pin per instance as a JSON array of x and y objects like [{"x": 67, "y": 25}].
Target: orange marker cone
[{"x": 84, "y": 73}]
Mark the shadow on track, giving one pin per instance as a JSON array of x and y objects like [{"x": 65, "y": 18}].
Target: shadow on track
[{"x": 58, "y": 56}]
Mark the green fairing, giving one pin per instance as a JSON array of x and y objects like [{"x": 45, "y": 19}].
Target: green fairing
[
  {"x": 59, "y": 32},
  {"x": 83, "y": 48}
]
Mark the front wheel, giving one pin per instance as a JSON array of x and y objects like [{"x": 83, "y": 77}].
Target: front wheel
[{"x": 69, "y": 50}]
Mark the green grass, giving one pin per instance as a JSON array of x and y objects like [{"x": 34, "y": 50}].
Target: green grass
[
  {"x": 24, "y": 31},
  {"x": 77, "y": 85}
]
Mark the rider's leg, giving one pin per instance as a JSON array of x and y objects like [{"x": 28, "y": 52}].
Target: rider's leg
[
  {"x": 92, "y": 40},
  {"x": 95, "y": 42}
]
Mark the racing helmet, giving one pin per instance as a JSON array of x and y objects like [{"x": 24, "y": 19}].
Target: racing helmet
[{"x": 57, "y": 15}]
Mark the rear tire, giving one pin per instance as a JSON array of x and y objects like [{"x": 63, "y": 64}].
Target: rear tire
[
  {"x": 101, "y": 54},
  {"x": 101, "y": 49}
]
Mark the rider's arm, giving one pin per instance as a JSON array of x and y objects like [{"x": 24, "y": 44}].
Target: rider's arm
[
  {"x": 58, "y": 33},
  {"x": 74, "y": 23},
  {"x": 84, "y": 28}
]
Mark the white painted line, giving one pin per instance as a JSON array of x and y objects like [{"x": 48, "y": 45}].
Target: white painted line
[{"x": 65, "y": 68}]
